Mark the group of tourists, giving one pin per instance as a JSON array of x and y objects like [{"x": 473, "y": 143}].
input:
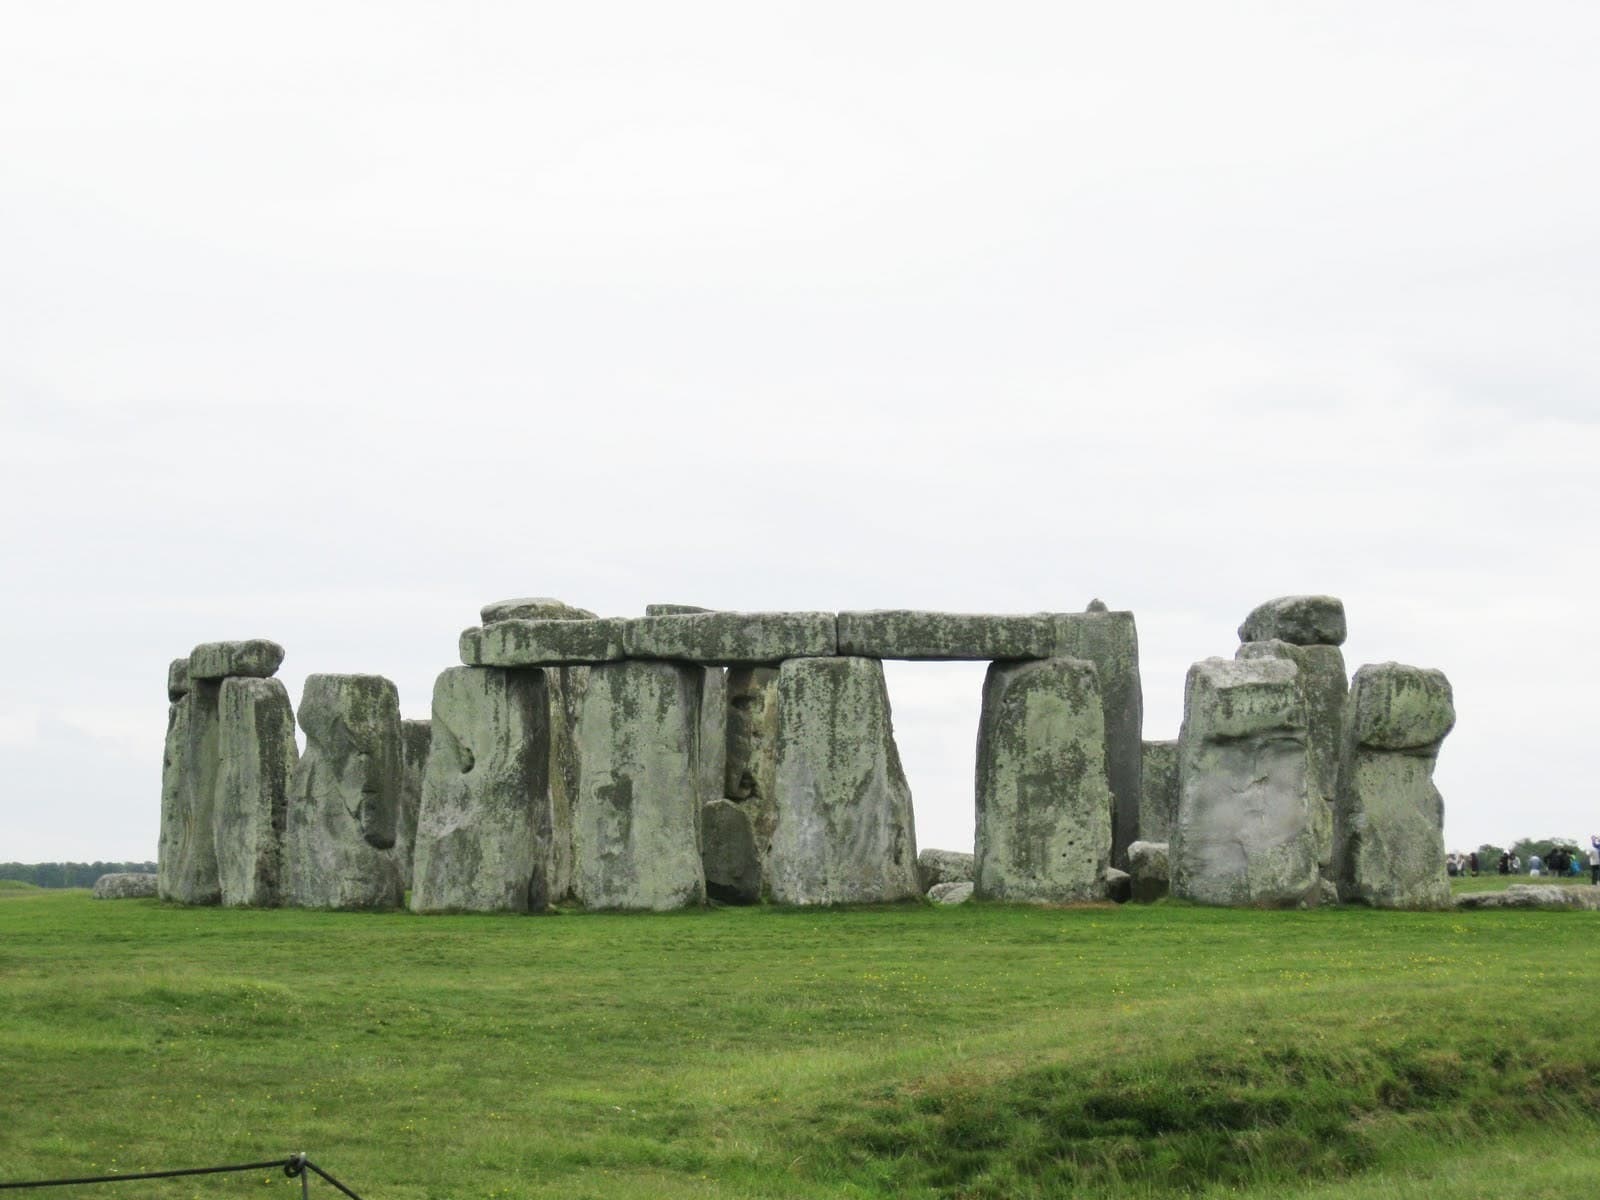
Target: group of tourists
[{"x": 1561, "y": 861}]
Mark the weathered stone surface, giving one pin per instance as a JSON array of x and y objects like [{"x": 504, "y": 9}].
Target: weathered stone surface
[
  {"x": 1117, "y": 885},
  {"x": 1299, "y": 620},
  {"x": 518, "y": 643},
  {"x": 484, "y": 827},
  {"x": 844, "y": 832},
  {"x": 713, "y": 752},
  {"x": 1395, "y": 707},
  {"x": 732, "y": 639},
  {"x": 1324, "y": 687},
  {"x": 1245, "y": 833},
  {"x": 178, "y": 679},
  {"x": 1389, "y": 816},
  {"x": 944, "y": 866},
  {"x": 957, "y": 891},
  {"x": 1533, "y": 895},
  {"x": 344, "y": 796},
  {"x": 1043, "y": 804},
  {"x": 1158, "y": 791},
  {"x": 1110, "y": 640},
  {"x": 1147, "y": 865},
  {"x": 567, "y": 687},
  {"x": 187, "y": 857},
  {"x": 256, "y": 658},
  {"x": 415, "y": 739},
  {"x": 533, "y": 608},
  {"x": 125, "y": 885},
  {"x": 674, "y": 610},
  {"x": 257, "y": 756},
  {"x": 636, "y": 826},
  {"x": 932, "y": 636},
  {"x": 728, "y": 853}
]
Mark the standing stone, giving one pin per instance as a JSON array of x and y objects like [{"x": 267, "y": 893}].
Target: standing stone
[
  {"x": 1245, "y": 833},
  {"x": 1110, "y": 640},
  {"x": 1299, "y": 620},
  {"x": 1158, "y": 791},
  {"x": 1043, "y": 804},
  {"x": 750, "y": 760},
  {"x": 636, "y": 824},
  {"x": 187, "y": 857},
  {"x": 844, "y": 832},
  {"x": 1324, "y": 686},
  {"x": 345, "y": 796},
  {"x": 257, "y": 755},
  {"x": 1389, "y": 816},
  {"x": 178, "y": 679},
  {"x": 483, "y": 839},
  {"x": 728, "y": 854},
  {"x": 415, "y": 739}
]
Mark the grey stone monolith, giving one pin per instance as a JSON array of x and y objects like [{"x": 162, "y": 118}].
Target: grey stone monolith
[
  {"x": 415, "y": 739},
  {"x": 1043, "y": 804},
  {"x": 484, "y": 829},
  {"x": 1158, "y": 791},
  {"x": 1246, "y": 832},
  {"x": 344, "y": 797},
  {"x": 1299, "y": 620},
  {"x": 636, "y": 823},
  {"x": 728, "y": 853},
  {"x": 186, "y": 868},
  {"x": 256, "y": 658},
  {"x": 1389, "y": 816},
  {"x": 943, "y": 866},
  {"x": 257, "y": 756},
  {"x": 125, "y": 885},
  {"x": 844, "y": 832},
  {"x": 1324, "y": 685},
  {"x": 1110, "y": 640}
]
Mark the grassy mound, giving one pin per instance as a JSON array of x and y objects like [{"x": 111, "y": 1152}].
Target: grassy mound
[{"x": 975, "y": 1052}]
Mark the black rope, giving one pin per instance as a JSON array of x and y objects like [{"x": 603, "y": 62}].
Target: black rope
[{"x": 293, "y": 1166}]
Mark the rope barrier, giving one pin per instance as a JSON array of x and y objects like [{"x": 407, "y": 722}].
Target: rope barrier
[{"x": 295, "y": 1166}]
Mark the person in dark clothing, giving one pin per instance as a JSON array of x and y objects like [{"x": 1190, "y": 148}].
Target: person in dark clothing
[
  {"x": 1505, "y": 862},
  {"x": 1472, "y": 863}
]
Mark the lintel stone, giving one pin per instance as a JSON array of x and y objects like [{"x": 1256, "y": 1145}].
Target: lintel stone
[
  {"x": 254, "y": 659},
  {"x": 733, "y": 638},
  {"x": 934, "y": 636},
  {"x": 520, "y": 643}
]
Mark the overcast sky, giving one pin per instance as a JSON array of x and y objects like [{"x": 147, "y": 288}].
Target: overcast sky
[{"x": 330, "y": 322}]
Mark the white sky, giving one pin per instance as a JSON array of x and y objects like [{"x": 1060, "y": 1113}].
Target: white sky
[{"x": 330, "y": 322}]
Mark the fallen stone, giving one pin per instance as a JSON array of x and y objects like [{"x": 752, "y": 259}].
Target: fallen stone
[
  {"x": 1245, "y": 833},
  {"x": 935, "y": 636},
  {"x": 519, "y": 643},
  {"x": 125, "y": 885},
  {"x": 415, "y": 739},
  {"x": 1324, "y": 687},
  {"x": 844, "y": 832},
  {"x": 1158, "y": 791},
  {"x": 1117, "y": 884},
  {"x": 484, "y": 825},
  {"x": 257, "y": 756},
  {"x": 636, "y": 826},
  {"x": 178, "y": 679},
  {"x": 1389, "y": 816},
  {"x": 1534, "y": 895},
  {"x": 1401, "y": 708},
  {"x": 1299, "y": 620},
  {"x": 1043, "y": 804},
  {"x": 533, "y": 608},
  {"x": 1327, "y": 892},
  {"x": 943, "y": 866},
  {"x": 732, "y": 639},
  {"x": 956, "y": 891},
  {"x": 1110, "y": 640},
  {"x": 186, "y": 871},
  {"x": 344, "y": 796},
  {"x": 256, "y": 659},
  {"x": 728, "y": 854},
  {"x": 1148, "y": 867}
]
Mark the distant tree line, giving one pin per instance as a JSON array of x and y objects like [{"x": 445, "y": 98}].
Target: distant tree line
[{"x": 68, "y": 874}]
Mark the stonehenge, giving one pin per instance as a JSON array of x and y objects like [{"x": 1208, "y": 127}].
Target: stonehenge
[{"x": 690, "y": 755}]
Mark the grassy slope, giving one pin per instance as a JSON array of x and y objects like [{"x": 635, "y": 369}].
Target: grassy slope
[{"x": 980, "y": 1051}]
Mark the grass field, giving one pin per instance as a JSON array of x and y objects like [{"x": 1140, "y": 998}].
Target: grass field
[{"x": 980, "y": 1051}]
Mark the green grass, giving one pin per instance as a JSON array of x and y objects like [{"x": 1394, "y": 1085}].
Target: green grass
[{"x": 982, "y": 1051}]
